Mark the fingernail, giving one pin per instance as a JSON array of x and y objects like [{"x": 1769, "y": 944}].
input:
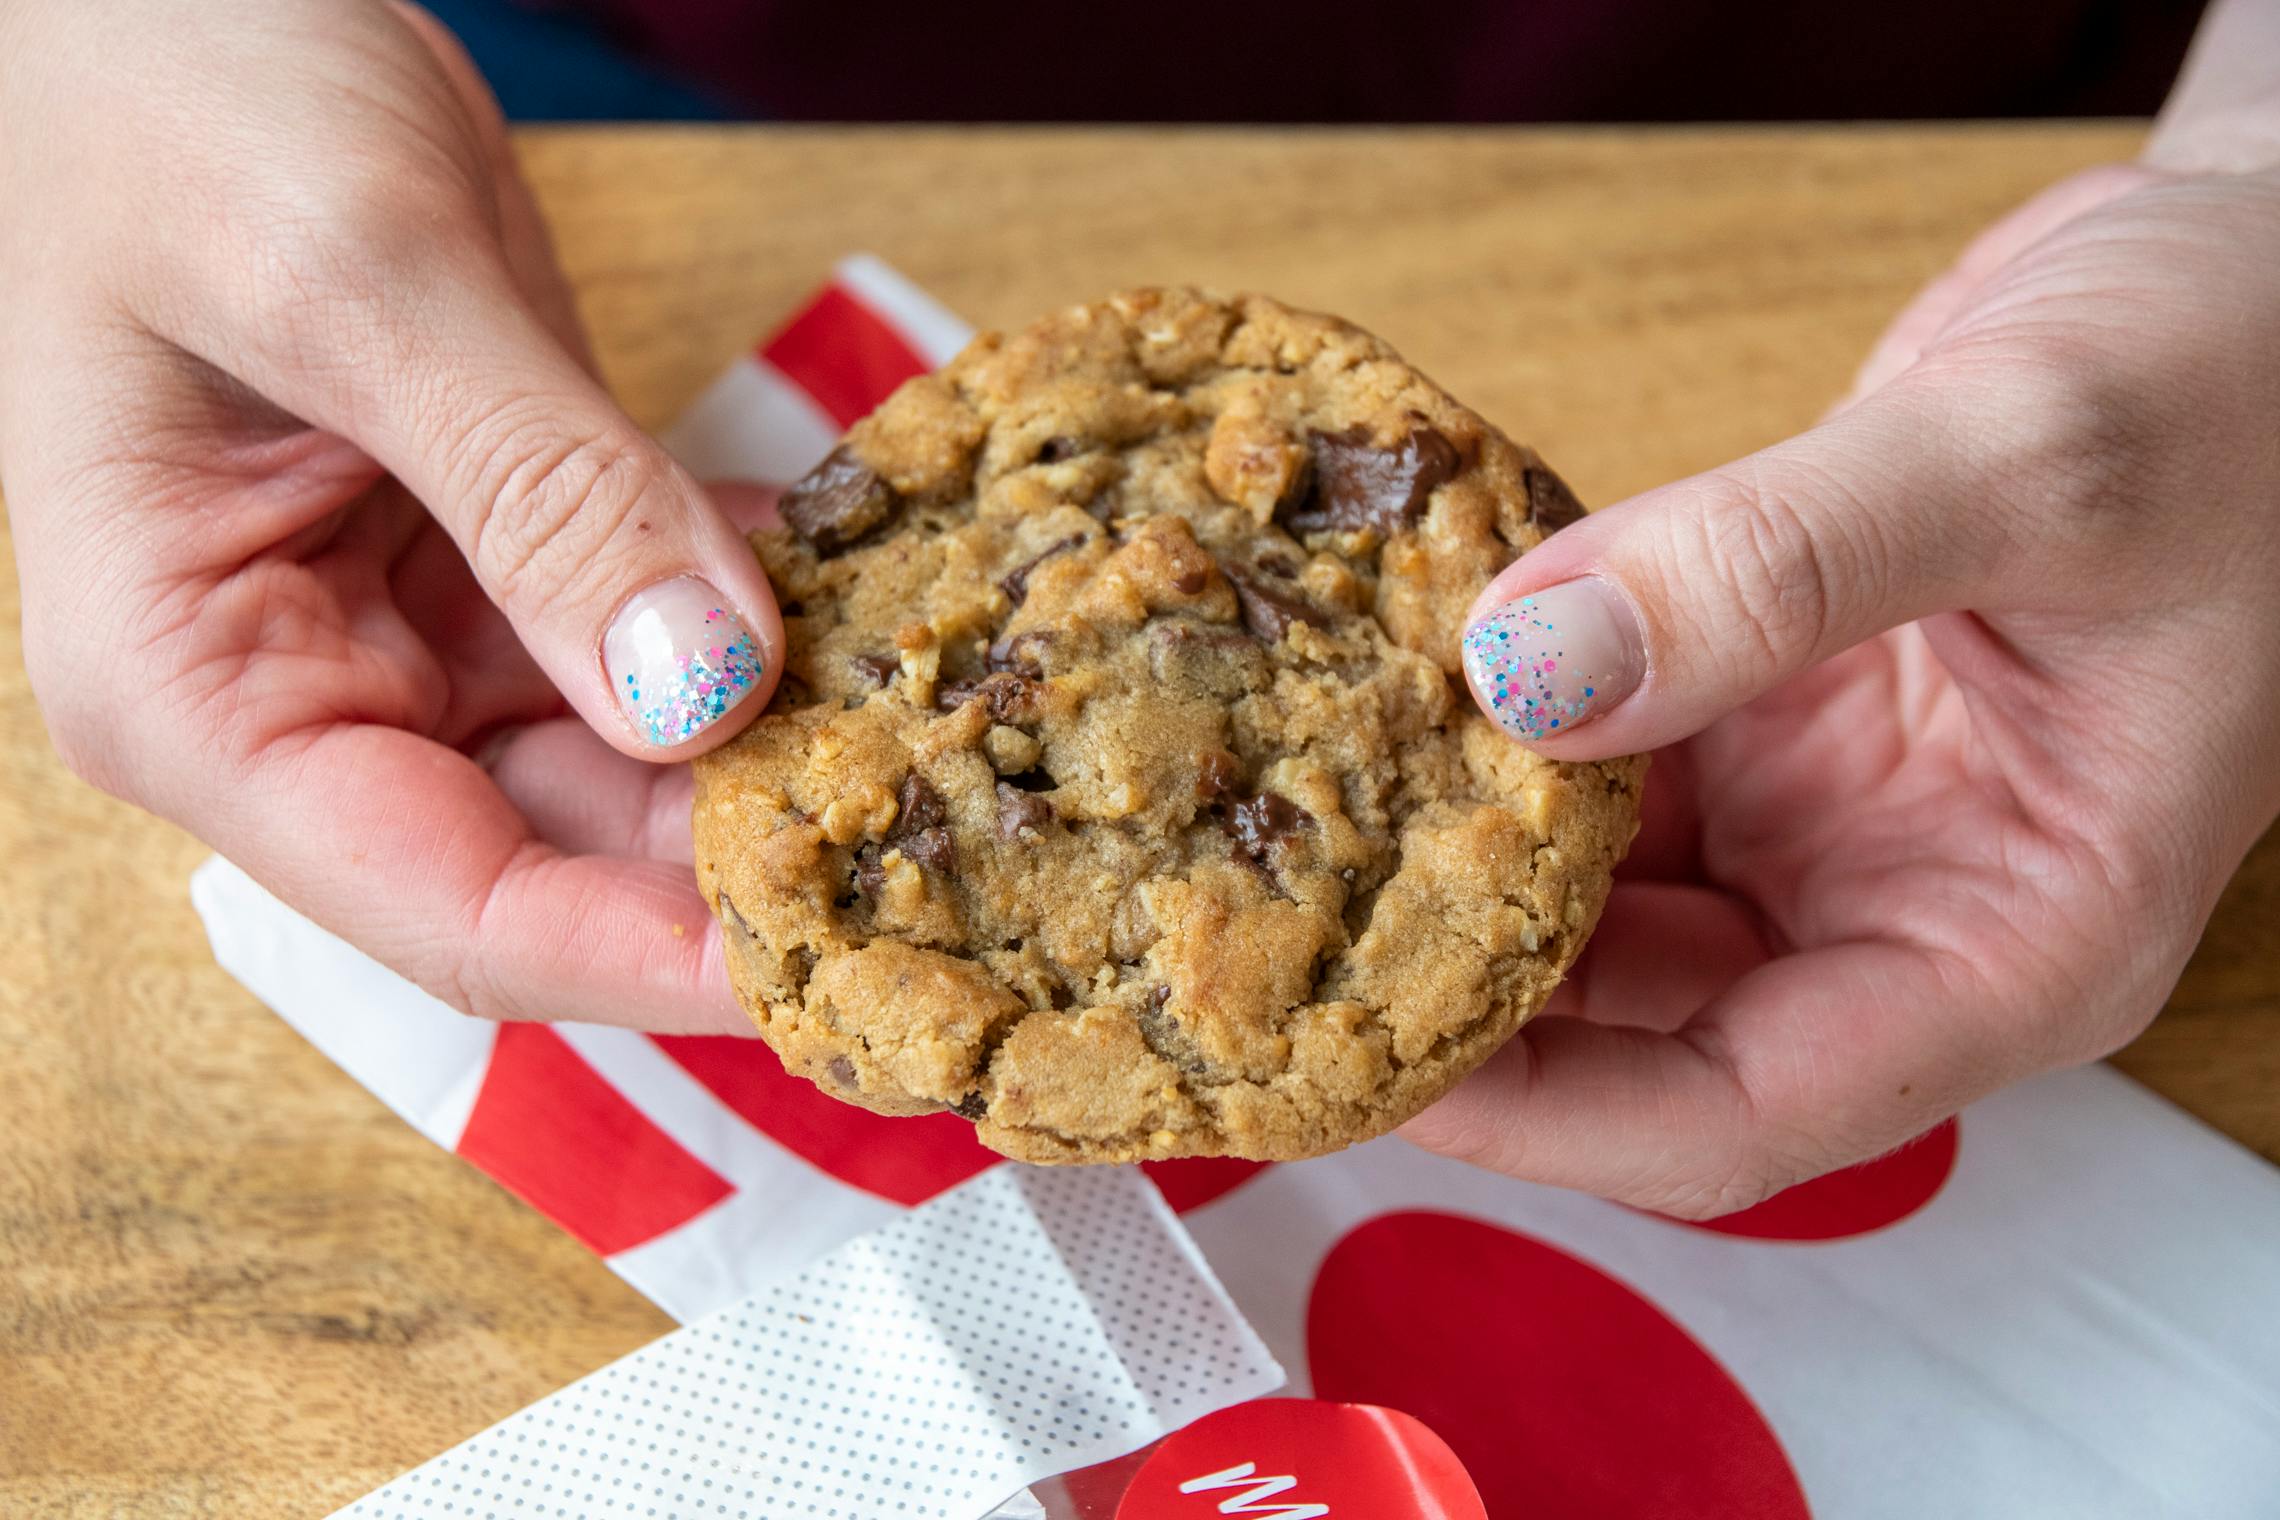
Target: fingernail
[
  {"x": 679, "y": 659},
  {"x": 1556, "y": 658}
]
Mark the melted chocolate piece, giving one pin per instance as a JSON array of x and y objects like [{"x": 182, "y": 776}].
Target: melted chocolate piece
[
  {"x": 1191, "y": 580},
  {"x": 931, "y": 848},
  {"x": 1551, "y": 505},
  {"x": 1007, "y": 695},
  {"x": 920, "y": 831},
  {"x": 838, "y": 502},
  {"x": 878, "y": 668},
  {"x": 842, "y": 1071},
  {"x": 1022, "y": 654},
  {"x": 1267, "y": 612},
  {"x": 1258, "y": 824},
  {"x": 1163, "y": 1035},
  {"x": 1357, "y": 484},
  {"x": 1018, "y": 810},
  {"x": 917, "y": 806},
  {"x": 971, "y": 1106},
  {"x": 1016, "y": 582},
  {"x": 1296, "y": 489},
  {"x": 1275, "y": 562},
  {"x": 870, "y": 875},
  {"x": 1217, "y": 774}
]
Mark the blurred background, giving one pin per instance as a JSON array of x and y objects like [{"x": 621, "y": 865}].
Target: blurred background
[{"x": 1323, "y": 61}]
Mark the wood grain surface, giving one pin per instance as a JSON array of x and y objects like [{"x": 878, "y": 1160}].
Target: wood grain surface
[{"x": 231, "y": 1284}]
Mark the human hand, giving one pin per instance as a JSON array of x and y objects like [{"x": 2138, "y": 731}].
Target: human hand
[
  {"x": 316, "y": 500},
  {"x": 1970, "y": 699}
]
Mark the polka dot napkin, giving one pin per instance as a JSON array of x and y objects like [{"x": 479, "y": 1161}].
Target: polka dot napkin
[{"x": 1026, "y": 1323}]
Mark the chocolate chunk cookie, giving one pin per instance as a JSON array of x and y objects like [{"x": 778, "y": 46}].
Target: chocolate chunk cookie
[{"x": 1122, "y": 794}]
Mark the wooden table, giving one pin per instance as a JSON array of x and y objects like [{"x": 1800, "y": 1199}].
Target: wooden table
[{"x": 231, "y": 1284}]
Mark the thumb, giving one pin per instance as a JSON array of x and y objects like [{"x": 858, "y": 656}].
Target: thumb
[
  {"x": 1642, "y": 623},
  {"x": 620, "y": 573},
  {"x": 628, "y": 585}
]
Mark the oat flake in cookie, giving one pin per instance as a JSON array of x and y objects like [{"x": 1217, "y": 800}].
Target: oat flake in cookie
[{"x": 1122, "y": 794}]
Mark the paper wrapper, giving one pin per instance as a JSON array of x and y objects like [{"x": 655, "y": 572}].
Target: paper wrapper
[{"x": 2067, "y": 1303}]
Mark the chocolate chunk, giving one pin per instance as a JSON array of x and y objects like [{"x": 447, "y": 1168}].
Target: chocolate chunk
[
  {"x": 971, "y": 1106},
  {"x": 1258, "y": 824},
  {"x": 1016, "y": 582},
  {"x": 918, "y": 806},
  {"x": 1008, "y": 696},
  {"x": 838, "y": 502},
  {"x": 1276, "y": 563},
  {"x": 1357, "y": 484},
  {"x": 1191, "y": 580},
  {"x": 1551, "y": 505},
  {"x": 1217, "y": 774},
  {"x": 1296, "y": 489},
  {"x": 1018, "y": 810},
  {"x": 931, "y": 848},
  {"x": 1267, "y": 612},
  {"x": 842, "y": 1071},
  {"x": 1057, "y": 448},
  {"x": 879, "y": 669},
  {"x": 1163, "y": 1035},
  {"x": 1023, "y": 654},
  {"x": 920, "y": 831},
  {"x": 870, "y": 875}
]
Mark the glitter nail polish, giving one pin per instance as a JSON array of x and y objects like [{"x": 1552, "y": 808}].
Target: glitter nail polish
[
  {"x": 1548, "y": 661},
  {"x": 679, "y": 659}
]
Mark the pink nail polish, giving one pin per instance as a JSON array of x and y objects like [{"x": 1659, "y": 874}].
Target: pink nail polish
[
  {"x": 679, "y": 659},
  {"x": 1546, "y": 662}
]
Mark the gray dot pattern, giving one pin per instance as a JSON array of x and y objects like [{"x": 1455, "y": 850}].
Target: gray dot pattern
[{"x": 1027, "y": 1323}]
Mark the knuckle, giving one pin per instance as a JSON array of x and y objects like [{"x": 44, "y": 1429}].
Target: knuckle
[
  {"x": 454, "y": 962},
  {"x": 1775, "y": 574},
  {"x": 467, "y": 986},
  {"x": 1744, "y": 1182},
  {"x": 2078, "y": 434},
  {"x": 548, "y": 508},
  {"x": 332, "y": 262}
]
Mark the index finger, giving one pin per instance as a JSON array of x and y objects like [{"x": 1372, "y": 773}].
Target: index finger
[
  {"x": 1809, "y": 1062},
  {"x": 407, "y": 850}
]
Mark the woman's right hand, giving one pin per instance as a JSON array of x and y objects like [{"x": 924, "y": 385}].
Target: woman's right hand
[{"x": 316, "y": 500}]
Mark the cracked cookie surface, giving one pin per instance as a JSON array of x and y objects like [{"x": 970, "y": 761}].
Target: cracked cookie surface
[{"x": 1122, "y": 794}]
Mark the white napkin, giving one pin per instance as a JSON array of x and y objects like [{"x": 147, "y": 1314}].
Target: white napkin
[{"x": 1027, "y": 1323}]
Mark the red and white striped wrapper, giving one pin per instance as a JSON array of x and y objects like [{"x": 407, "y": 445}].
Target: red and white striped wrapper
[{"x": 2067, "y": 1303}]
